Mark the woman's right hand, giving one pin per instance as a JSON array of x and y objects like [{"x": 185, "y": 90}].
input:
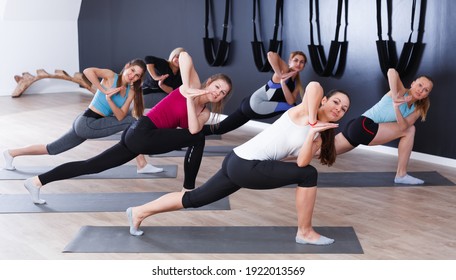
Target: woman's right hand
[
  {"x": 322, "y": 126},
  {"x": 111, "y": 91}
]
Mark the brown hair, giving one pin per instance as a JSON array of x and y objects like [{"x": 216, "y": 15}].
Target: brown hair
[
  {"x": 328, "y": 148},
  {"x": 138, "y": 101},
  {"x": 298, "y": 78}
]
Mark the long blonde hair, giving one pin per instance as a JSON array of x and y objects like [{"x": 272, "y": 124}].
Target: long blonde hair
[
  {"x": 175, "y": 52},
  {"x": 423, "y": 105}
]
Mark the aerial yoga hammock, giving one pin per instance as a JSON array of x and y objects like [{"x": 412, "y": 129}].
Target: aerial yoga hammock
[
  {"x": 411, "y": 52},
  {"x": 220, "y": 56},
  {"x": 275, "y": 45},
  {"x": 338, "y": 49}
]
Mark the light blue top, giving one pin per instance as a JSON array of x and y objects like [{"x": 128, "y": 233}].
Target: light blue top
[
  {"x": 383, "y": 111},
  {"x": 101, "y": 104}
]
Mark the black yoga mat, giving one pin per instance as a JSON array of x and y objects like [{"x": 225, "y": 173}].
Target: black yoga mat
[
  {"x": 88, "y": 202},
  {"x": 119, "y": 172},
  {"x": 376, "y": 179},
  {"x": 117, "y": 136},
  {"x": 210, "y": 240},
  {"x": 209, "y": 151}
]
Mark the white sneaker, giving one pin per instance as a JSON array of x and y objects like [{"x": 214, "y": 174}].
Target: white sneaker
[
  {"x": 8, "y": 160},
  {"x": 408, "y": 180},
  {"x": 149, "y": 168}
]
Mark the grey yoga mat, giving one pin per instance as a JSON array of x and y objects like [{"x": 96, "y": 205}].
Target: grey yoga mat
[
  {"x": 88, "y": 202},
  {"x": 209, "y": 151},
  {"x": 119, "y": 172},
  {"x": 210, "y": 240},
  {"x": 376, "y": 179}
]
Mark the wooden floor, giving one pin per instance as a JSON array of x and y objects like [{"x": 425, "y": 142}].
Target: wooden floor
[{"x": 415, "y": 223}]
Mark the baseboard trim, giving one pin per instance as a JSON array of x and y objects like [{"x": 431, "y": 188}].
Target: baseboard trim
[{"x": 256, "y": 126}]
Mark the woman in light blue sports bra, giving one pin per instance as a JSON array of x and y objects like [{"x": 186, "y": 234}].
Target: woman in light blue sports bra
[
  {"x": 107, "y": 114},
  {"x": 393, "y": 117}
]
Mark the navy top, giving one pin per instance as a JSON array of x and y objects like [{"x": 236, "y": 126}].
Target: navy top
[{"x": 161, "y": 67}]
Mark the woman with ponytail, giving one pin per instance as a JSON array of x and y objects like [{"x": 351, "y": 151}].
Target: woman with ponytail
[
  {"x": 258, "y": 164},
  {"x": 107, "y": 114}
]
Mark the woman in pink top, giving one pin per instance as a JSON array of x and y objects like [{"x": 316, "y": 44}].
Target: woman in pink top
[{"x": 174, "y": 123}]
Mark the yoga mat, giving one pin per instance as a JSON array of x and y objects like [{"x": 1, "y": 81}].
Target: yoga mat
[
  {"x": 119, "y": 172},
  {"x": 210, "y": 240},
  {"x": 88, "y": 202},
  {"x": 376, "y": 179},
  {"x": 209, "y": 151},
  {"x": 117, "y": 136}
]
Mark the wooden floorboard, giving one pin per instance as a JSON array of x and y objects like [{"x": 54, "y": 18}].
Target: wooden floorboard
[{"x": 391, "y": 223}]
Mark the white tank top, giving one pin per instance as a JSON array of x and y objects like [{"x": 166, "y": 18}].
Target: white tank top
[{"x": 281, "y": 139}]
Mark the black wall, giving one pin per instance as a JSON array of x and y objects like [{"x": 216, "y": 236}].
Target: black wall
[{"x": 111, "y": 32}]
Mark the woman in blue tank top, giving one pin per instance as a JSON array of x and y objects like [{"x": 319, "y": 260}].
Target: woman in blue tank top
[
  {"x": 393, "y": 117},
  {"x": 107, "y": 114}
]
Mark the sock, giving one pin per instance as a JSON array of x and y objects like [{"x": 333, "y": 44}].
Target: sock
[
  {"x": 320, "y": 241},
  {"x": 34, "y": 191},
  {"x": 408, "y": 180},
  {"x": 133, "y": 231},
  {"x": 8, "y": 160},
  {"x": 149, "y": 168}
]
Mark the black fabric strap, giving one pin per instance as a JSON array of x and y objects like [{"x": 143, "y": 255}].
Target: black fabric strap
[
  {"x": 219, "y": 57},
  {"x": 338, "y": 50},
  {"x": 275, "y": 45},
  {"x": 411, "y": 52}
]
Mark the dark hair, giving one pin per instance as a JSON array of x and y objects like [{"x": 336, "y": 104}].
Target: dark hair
[
  {"x": 328, "y": 148},
  {"x": 138, "y": 106}
]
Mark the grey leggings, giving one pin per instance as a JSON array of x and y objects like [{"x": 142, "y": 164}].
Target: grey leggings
[{"x": 88, "y": 128}]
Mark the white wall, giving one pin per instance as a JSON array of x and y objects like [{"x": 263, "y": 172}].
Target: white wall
[{"x": 38, "y": 34}]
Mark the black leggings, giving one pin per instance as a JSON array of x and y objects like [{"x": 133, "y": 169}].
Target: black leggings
[
  {"x": 235, "y": 120},
  {"x": 239, "y": 173},
  {"x": 142, "y": 137}
]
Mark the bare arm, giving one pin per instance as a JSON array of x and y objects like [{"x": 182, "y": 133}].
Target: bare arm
[
  {"x": 160, "y": 79},
  {"x": 282, "y": 74},
  {"x": 311, "y": 101},
  {"x": 404, "y": 123},
  {"x": 397, "y": 88},
  {"x": 312, "y": 143},
  {"x": 94, "y": 75},
  {"x": 191, "y": 89},
  {"x": 122, "y": 112},
  {"x": 278, "y": 65}
]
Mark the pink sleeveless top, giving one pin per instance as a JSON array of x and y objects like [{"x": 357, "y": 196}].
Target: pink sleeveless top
[{"x": 170, "y": 112}]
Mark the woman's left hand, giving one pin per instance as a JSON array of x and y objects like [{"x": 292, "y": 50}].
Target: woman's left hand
[
  {"x": 193, "y": 92},
  {"x": 285, "y": 76},
  {"x": 399, "y": 100}
]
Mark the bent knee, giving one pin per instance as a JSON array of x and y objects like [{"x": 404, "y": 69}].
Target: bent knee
[{"x": 309, "y": 177}]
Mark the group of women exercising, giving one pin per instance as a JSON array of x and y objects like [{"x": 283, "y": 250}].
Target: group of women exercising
[{"x": 305, "y": 130}]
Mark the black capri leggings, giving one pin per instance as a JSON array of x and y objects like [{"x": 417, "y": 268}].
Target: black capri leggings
[
  {"x": 239, "y": 173},
  {"x": 238, "y": 118},
  {"x": 142, "y": 137}
]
